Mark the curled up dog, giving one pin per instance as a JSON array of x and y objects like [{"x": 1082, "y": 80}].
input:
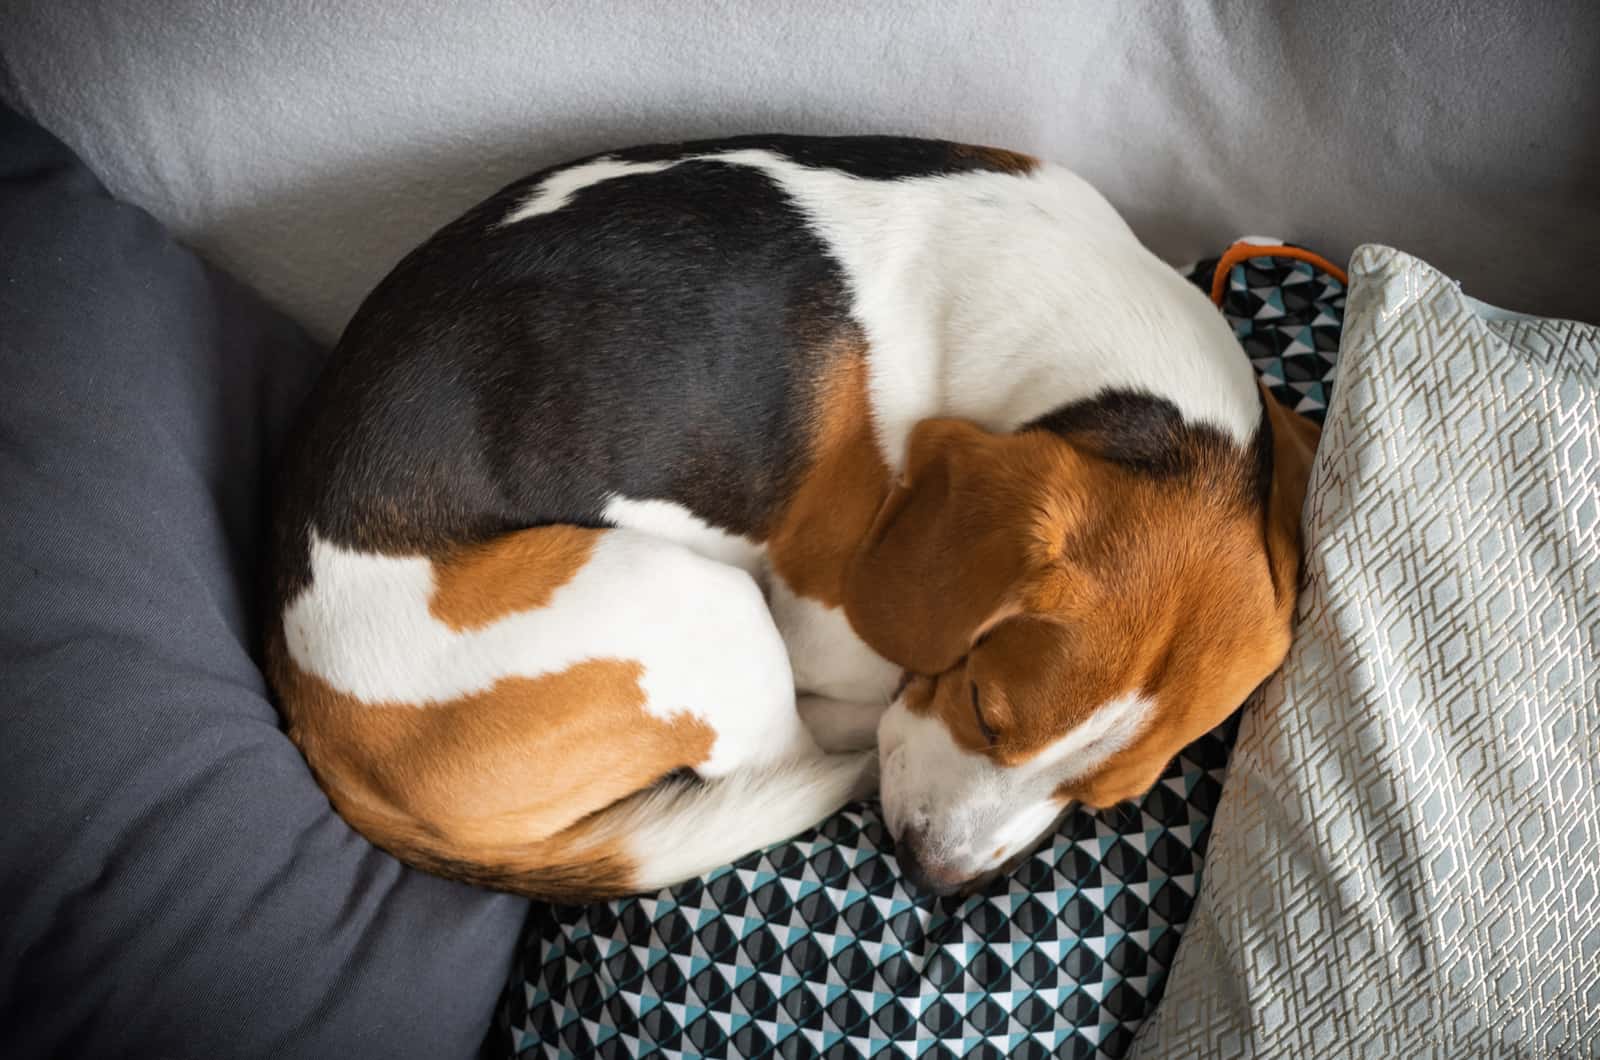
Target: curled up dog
[{"x": 670, "y": 498}]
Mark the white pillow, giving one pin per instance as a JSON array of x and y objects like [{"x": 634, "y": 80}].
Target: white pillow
[{"x": 1406, "y": 858}]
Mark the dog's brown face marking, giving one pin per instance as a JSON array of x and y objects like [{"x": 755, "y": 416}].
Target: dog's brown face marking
[
  {"x": 1034, "y": 578},
  {"x": 1231, "y": 580},
  {"x": 845, "y": 482}
]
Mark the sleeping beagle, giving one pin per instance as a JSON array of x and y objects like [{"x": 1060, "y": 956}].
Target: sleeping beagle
[{"x": 638, "y": 503}]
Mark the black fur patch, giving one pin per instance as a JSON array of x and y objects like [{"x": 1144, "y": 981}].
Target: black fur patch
[
  {"x": 656, "y": 337},
  {"x": 1264, "y": 445},
  {"x": 1147, "y": 434},
  {"x": 1135, "y": 429}
]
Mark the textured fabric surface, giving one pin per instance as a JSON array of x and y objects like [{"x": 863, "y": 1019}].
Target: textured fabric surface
[
  {"x": 815, "y": 947},
  {"x": 172, "y": 882},
  {"x": 308, "y": 146},
  {"x": 1288, "y": 316},
  {"x": 1406, "y": 860}
]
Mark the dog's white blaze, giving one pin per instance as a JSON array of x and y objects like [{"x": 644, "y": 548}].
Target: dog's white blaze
[
  {"x": 674, "y": 522},
  {"x": 996, "y": 297},
  {"x": 700, "y": 629},
  {"x": 1103, "y": 733},
  {"x": 965, "y": 806}
]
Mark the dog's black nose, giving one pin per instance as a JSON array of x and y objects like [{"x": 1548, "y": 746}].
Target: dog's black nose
[{"x": 933, "y": 879}]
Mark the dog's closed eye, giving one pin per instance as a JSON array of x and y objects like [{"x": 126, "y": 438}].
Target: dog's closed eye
[{"x": 977, "y": 711}]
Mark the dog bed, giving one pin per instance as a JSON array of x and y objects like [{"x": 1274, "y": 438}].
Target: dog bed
[{"x": 815, "y": 947}]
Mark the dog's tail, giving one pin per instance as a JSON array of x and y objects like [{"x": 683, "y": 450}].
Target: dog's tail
[{"x": 681, "y": 828}]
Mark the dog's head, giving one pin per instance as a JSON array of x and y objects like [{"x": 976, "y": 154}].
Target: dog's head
[{"x": 1073, "y": 604}]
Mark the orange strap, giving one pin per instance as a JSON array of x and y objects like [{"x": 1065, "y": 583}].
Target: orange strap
[{"x": 1242, "y": 251}]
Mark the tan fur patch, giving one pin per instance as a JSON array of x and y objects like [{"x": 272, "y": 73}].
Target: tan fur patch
[
  {"x": 497, "y": 788},
  {"x": 829, "y": 514},
  {"x": 950, "y": 546},
  {"x": 521, "y": 571},
  {"x": 998, "y": 158}
]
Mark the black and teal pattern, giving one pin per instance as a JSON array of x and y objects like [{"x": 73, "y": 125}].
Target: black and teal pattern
[
  {"x": 1288, "y": 315},
  {"x": 815, "y": 948}
]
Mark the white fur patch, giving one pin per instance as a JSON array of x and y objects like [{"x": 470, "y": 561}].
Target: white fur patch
[
  {"x": 966, "y": 807},
  {"x": 700, "y": 629},
  {"x": 556, "y": 190},
  {"x": 1102, "y": 734},
  {"x": 674, "y": 522}
]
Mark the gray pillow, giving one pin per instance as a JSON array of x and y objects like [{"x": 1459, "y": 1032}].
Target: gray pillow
[
  {"x": 1406, "y": 858},
  {"x": 172, "y": 882}
]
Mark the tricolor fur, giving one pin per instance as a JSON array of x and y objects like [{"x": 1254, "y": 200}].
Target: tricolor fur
[{"x": 611, "y": 467}]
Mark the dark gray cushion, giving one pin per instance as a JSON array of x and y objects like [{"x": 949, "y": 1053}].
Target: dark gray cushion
[{"x": 172, "y": 881}]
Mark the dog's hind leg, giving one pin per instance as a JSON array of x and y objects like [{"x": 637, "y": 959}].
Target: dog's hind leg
[{"x": 507, "y": 713}]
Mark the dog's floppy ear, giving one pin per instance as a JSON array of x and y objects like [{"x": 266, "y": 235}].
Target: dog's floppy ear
[
  {"x": 1294, "y": 445},
  {"x": 944, "y": 556}
]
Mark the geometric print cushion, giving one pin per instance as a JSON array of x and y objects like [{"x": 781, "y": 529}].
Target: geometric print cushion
[
  {"x": 1287, "y": 312},
  {"x": 1406, "y": 861},
  {"x": 816, "y": 948}
]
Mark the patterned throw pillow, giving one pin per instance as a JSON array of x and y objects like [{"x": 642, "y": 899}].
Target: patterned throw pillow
[
  {"x": 1407, "y": 858},
  {"x": 815, "y": 947}
]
